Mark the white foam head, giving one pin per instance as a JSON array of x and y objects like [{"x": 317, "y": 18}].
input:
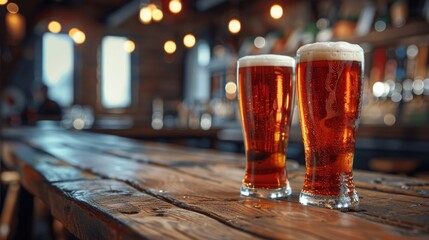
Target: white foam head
[
  {"x": 266, "y": 60},
  {"x": 330, "y": 51}
]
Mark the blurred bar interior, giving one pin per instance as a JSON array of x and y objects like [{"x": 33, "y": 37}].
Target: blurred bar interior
[{"x": 164, "y": 70}]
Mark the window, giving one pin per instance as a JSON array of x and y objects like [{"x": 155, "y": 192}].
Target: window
[
  {"x": 116, "y": 72},
  {"x": 58, "y": 67},
  {"x": 197, "y": 73}
]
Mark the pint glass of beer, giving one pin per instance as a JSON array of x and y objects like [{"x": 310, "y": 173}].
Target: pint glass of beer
[
  {"x": 329, "y": 85},
  {"x": 265, "y": 95}
]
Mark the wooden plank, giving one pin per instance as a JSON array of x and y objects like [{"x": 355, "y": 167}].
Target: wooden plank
[
  {"x": 106, "y": 209},
  {"x": 176, "y": 156},
  {"x": 20, "y": 156},
  {"x": 392, "y": 183},
  {"x": 373, "y": 207},
  {"x": 380, "y": 182},
  {"x": 222, "y": 201},
  {"x": 404, "y": 211}
]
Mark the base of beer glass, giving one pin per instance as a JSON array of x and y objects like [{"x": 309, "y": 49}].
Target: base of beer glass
[
  {"x": 343, "y": 201},
  {"x": 266, "y": 193}
]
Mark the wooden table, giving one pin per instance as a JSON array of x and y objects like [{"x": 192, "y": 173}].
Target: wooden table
[{"x": 108, "y": 187}]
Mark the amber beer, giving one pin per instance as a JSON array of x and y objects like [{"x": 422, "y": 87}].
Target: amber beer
[
  {"x": 329, "y": 85},
  {"x": 265, "y": 85}
]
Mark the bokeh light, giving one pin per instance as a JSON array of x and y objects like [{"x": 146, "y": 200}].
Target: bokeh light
[
  {"x": 259, "y": 42},
  {"x": 78, "y": 36},
  {"x": 145, "y": 15},
  {"x": 175, "y": 6},
  {"x": 129, "y": 46},
  {"x": 234, "y": 26},
  {"x": 12, "y": 8},
  {"x": 389, "y": 119},
  {"x": 157, "y": 15},
  {"x": 189, "y": 40},
  {"x": 54, "y": 27},
  {"x": 231, "y": 87},
  {"x": 276, "y": 11},
  {"x": 378, "y": 89},
  {"x": 170, "y": 47}
]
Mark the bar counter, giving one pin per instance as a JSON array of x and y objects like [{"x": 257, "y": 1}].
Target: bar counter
[{"x": 108, "y": 187}]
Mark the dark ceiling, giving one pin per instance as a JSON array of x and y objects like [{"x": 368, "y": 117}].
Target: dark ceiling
[{"x": 102, "y": 10}]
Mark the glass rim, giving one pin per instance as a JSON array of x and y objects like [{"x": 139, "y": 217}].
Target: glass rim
[{"x": 337, "y": 51}]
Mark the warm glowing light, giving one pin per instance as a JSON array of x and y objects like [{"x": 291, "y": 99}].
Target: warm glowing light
[
  {"x": 73, "y": 31},
  {"x": 145, "y": 15},
  {"x": 78, "y": 36},
  {"x": 15, "y": 26},
  {"x": 189, "y": 40},
  {"x": 175, "y": 6},
  {"x": 12, "y": 8},
  {"x": 3, "y": 2},
  {"x": 152, "y": 6},
  {"x": 276, "y": 11},
  {"x": 234, "y": 26},
  {"x": 231, "y": 88},
  {"x": 129, "y": 46},
  {"x": 157, "y": 15},
  {"x": 54, "y": 27},
  {"x": 170, "y": 47}
]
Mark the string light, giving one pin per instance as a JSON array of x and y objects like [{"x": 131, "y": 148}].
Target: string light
[
  {"x": 72, "y": 32},
  {"x": 157, "y": 15},
  {"x": 145, "y": 15},
  {"x": 151, "y": 6},
  {"x": 3, "y": 2},
  {"x": 54, "y": 27},
  {"x": 77, "y": 35},
  {"x": 234, "y": 26},
  {"x": 175, "y": 6},
  {"x": 276, "y": 11},
  {"x": 129, "y": 46},
  {"x": 170, "y": 47},
  {"x": 189, "y": 40}
]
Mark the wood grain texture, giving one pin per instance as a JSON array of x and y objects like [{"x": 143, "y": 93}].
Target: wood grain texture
[
  {"x": 92, "y": 208},
  {"x": 209, "y": 196},
  {"x": 89, "y": 208},
  {"x": 204, "y": 185}
]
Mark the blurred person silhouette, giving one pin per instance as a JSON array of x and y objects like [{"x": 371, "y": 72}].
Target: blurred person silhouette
[
  {"x": 46, "y": 106},
  {"x": 43, "y": 107}
]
